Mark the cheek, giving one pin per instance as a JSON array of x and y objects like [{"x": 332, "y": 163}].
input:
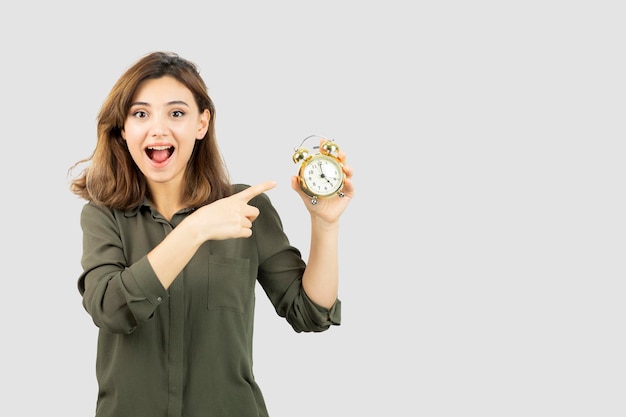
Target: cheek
[
  {"x": 131, "y": 133},
  {"x": 133, "y": 141}
]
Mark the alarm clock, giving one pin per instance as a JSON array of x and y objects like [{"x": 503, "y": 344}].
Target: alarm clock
[{"x": 321, "y": 174}]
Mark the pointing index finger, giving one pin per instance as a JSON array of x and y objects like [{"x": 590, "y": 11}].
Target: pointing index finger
[{"x": 254, "y": 190}]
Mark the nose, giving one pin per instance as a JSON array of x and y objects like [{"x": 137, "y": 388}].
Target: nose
[{"x": 159, "y": 126}]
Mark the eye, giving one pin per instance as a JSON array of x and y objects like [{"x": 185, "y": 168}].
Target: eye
[
  {"x": 140, "y": 114},
  {"x": 178, "y": 113}
]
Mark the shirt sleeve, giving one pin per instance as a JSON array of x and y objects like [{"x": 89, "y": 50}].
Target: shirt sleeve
[
  {"x": 281, "y": 268},
  {"x": 119, "y": 297}
]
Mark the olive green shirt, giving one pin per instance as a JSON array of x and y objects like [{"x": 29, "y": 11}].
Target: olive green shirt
[{"x": 186, "y": 351}]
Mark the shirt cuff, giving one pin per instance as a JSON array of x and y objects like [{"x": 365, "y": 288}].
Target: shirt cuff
[
  {"x": 146, "y": 280},
  {"x": 322, "y": 316}
]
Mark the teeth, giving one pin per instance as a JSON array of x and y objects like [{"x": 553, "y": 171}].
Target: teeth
[{"x": 158, "y": 148}]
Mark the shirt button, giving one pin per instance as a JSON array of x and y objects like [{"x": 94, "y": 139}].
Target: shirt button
[{"x": 159, "y": 299}]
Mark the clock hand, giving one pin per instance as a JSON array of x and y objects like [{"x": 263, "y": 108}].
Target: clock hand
[{"x": 323, "y": 175}]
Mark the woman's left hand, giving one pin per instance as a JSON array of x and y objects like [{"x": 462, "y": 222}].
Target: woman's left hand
[{"x": 331, "y": 208}]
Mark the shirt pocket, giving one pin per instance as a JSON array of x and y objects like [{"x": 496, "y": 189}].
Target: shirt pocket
[{"x": 228, "y": 283}]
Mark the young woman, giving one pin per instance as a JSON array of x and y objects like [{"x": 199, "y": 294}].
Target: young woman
[{"x": 172, "y": 252}]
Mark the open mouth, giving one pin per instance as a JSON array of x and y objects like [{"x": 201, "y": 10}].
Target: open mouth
[{"x": 159, "y": 153}]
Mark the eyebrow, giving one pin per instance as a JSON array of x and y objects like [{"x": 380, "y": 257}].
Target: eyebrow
[{"x": 169, "y": 103}]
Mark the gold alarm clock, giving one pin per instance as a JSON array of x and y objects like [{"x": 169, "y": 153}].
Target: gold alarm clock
[{"x": 321, "y": 174}]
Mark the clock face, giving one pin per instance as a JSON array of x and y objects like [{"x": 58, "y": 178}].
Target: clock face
[{"x": 322, "y": 176}]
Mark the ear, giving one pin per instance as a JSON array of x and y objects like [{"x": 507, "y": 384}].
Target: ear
[
  {"x": 203, "y": 124},
  {"x": 122, "y": 133}
]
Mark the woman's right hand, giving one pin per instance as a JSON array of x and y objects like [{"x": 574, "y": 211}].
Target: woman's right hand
[{"x": 230, "y": 217}]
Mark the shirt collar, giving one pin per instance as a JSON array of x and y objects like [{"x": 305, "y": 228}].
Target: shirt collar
[{"x": 146, "y": 203}]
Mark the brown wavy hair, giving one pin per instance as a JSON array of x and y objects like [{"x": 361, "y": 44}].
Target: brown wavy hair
[{"x": 112, "y": 178}]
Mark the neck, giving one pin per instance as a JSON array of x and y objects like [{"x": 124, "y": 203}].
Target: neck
[{"x": 166, "y": 199}]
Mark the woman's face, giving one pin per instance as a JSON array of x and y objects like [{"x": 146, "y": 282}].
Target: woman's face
[{"x": 161, "y": 129}]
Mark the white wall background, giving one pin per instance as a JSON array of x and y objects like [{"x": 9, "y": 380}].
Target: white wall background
[{"x": 482, "y": 258}]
